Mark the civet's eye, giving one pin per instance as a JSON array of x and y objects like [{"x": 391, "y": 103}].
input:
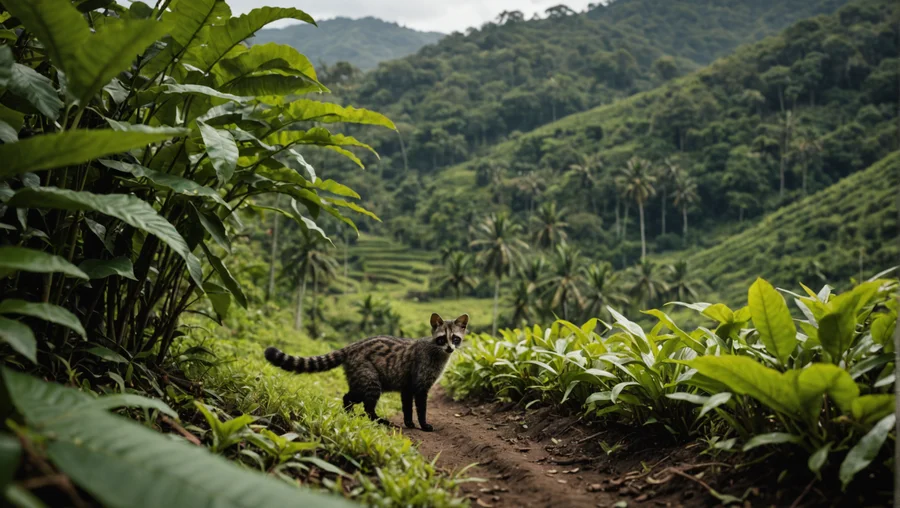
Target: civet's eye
[
  {"x": 441, "y": 340},
  {"x": 456, "y": 340}
]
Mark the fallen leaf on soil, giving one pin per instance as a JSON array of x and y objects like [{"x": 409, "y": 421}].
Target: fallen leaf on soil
[
  {"x": 479, "y": 502},
  {"x": 572, "y": 471},
  {"x": 595, "y": 487},
  {"x": 562, "y": 481},
  {"x": 552, "y": 471}
]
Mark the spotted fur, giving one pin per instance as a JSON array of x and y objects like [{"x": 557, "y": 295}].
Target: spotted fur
[{"x": 387, "y": 364}]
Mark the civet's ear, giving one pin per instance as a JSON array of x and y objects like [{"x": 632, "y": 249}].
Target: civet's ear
[
  {"x": 436, "y": 321},
  {"x": 463, "y": 320}
]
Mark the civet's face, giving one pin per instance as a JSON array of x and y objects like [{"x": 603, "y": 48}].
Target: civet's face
[{"x": 448, "y": 335}]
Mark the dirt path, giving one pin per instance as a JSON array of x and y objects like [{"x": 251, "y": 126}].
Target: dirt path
[{"x": 518, "y": 470}]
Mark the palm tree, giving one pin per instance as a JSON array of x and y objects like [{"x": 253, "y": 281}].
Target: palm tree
[
  {"x": 499, "y": 251},
  {"x": 681, "y": 283},
  {"x": 311, "y": 258},
  {"x": 456, "y": 274},
  {"x": 367, "y": 308},
  {"x": 565, "y": 279},
  {"x": 806, "y": 149},
  {"x": 601, "y": 288},
  {"x": 786, "y": 123},
  {"x": 685, "y": 195},
  {"x": 531, "y": 185},
  {"x": 668, "y": 173},
  {"x": 523, "y": 301},
  {"x": 585, "y": 174},
  {"x": 648, "y": 286},
  {"x": 636, "y": 181},
  {"x": 549, "y": 226}
]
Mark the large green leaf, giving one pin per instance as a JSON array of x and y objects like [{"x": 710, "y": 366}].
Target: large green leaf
[
  {"x": 822, "y": 378},
  {"x": 125, "y": 464},
  {"x": 261, "y": 60},
  {"x": 74, "y": 147},
  {"x": 681, "y": 334},
  {"x": 10, "y": 451},
  {"x": 56, "y": 23},
  {"x": 222, "y": 151},
  {"x": 869, "y": 409},
  {"x": 234, "y": 287},
  {"x": 745, "y": 376},
  {"x": 29, "y": 260},
  {"x": 19, "y": 337},
  {"x": 107, "y": 52},
  {"x": 837, "y": 327},
  {"x": 220, "y": 40},
  {"x": 177, "y": 183},
  {"x": 866, "y": 449},
  {"x": 45, "y": 311},
  {"x": 305, "y": 110},
  {"x": 37, "y": 89},
  {"x": 102, "y": 268},
  {"x": 316, "y": 136},
  {"x": 126, "y": 208},
  {"x": 771, "y": 438},
  {"x": 204, "y": 90},
  {"x": 187, "y": 17},
  {"x": 772, "y": 320},
  {"x": 7, "y": 61},
  {"x": 271, "y": 83}
]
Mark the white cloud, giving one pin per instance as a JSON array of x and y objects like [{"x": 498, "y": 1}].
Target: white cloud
[{"x": 432, "y": 15}]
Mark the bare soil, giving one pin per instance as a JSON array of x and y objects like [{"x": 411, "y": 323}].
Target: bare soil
[{"x": 542, "y": 458}]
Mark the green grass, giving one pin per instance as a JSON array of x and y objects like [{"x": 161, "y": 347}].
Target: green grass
[{"x": 386, "y": 469}]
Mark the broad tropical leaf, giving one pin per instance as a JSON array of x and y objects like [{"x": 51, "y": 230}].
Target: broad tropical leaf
[
  {"x": 176, "y": 183},
  {"x": 125, "y": 464},
  {"x": 771, "y": 438},
  {"x": 305, "y": 110},
  {"x": 101, "y": 268},
  {"x": 45, "y": 311},
  {"x": 19, "y": 337},
  {"x": 56, "y": 23},
  {"x": 29, "y": 260},
  {"x": 772, "y": 319},
  {"x": 126, "y": 208},
  {"x": 75, "y": 147},
  {"x": 230, "y": 282},
  {"x": 222, "y": 151},
  {"x": 866, "y": 449},
  {"x": 745, "y": 376},
  {"x": 36, "y": 88}
]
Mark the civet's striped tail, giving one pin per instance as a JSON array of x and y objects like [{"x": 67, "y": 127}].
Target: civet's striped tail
[{"x": 304, "y": 364}]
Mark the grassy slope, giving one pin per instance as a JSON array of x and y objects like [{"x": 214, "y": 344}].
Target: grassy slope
[{"x": 825, "y": 227}]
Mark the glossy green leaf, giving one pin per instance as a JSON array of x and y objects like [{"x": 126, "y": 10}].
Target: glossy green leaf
[
  {"x": 719, "y": 312},
  {"x": 19, "y": 337},
  {"x": 214, "y": 226},
  {"x": 306, "y": 110},
  {"x": 30, "y": 260},
  {"x": 745, "y": 376},
  {"x": 220, "y": 40},
  {"x": 869, "y": 409},
  {"x": 714, "y": 402},
  {"x": 772, "y": 319},
  {"x": 204, "y": 90},
  {"x": 222, "y": 151},
  {"x": 681, "y": 334},
  {"x": 316, "y": 136},
  {"x": 46, "y": 311},
  {"x": 187, "y": 17},
  {"x": 107, "y": 354},
  {"x": 258, "y": 70},
  {"x": 169, "y": 181},
  {"x": 823, "y": 378},
  {"x": 10, "y": 452},
  {"x": 37, "y": 89},
  {"x": 122, "y": 463},
  {"x": 127, "y": 208},
  {"x": 7, "y": 61},
  {"x": 75, "y": 147},
  {"x": 107, "y": 52},
  {"x": 102, "y": 268},
  {"x": 56, "y": 23},
  {"x": 818, "y": 458},
  {"x": 771, "y": 438},
  {"x": 233, "y": 286},
  {"x": 865, "y": 451}
]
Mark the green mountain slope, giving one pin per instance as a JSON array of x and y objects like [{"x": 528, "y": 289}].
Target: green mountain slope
[
  {"x": 473, "y": 90},
  {"x": 362, "y": 42},
  {"x": 827, "y": 237},
  {"x": 723, "y": 126}
]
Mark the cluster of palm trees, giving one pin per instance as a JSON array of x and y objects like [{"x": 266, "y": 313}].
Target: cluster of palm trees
[
  {"x": 550, "y": 277},
  {"x": 640, "y": 180}
]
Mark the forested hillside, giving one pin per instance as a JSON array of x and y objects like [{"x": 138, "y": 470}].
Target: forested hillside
[
  {"x": 778, "y": 120},
  {"x": 513, "y": 75},
  {"x": 363, "y": 42}
]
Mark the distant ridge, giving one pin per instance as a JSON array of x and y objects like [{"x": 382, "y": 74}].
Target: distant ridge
[{"x": 363, "y": 42}]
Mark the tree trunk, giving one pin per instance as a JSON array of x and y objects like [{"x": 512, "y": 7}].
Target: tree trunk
[
  {"x": 496, "y": 301},
  {"x": 741, "y": 215},
  {"x": 684, "y": 222},
  {"x": 643, "y": 237},
  {"x": 618, "y": 223},
  {"x": 664, "y": 200},
  {"x": 625, "y": 222},
  {"x": 804, "y": 177},
  {"x": 298, "y": 313},
  {"x": 270, "y": 288},
  {"x": 781, "y": 99},
  {"x": 781, "y": 176}
]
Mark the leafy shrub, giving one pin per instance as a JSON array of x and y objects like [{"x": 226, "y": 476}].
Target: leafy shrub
[{"x": 823, "y": 382}]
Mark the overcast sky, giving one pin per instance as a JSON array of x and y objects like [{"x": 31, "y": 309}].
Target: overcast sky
[{"x": 431, "y": 15}]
